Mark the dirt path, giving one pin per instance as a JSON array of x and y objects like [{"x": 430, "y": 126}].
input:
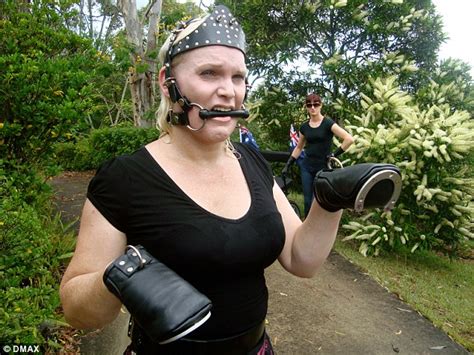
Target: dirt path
[{"x": 339, "y": 311}]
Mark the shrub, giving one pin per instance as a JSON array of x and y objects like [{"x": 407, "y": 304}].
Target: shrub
[
  {"x": 20, "y": 182},
  {"x": 433, "y": 148},
  {"x": 110, "y": 142},
  {"x": 33, "y": 246},
  {"x": 74, "y": 156},
  {"x": 48, "y": 80},
  {"x": 101, "y": 145}
]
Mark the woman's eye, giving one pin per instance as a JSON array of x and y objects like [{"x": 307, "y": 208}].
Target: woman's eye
[
  {"x": 239, "y": 77},
  {"x": 208, "y": 73}
]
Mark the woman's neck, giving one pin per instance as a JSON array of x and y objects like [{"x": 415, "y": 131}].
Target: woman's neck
[
  {"x": 188, "y": 147},
  {"x": 317, "y": 117}
]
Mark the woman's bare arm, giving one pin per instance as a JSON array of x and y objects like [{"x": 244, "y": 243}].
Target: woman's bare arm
[{"x": 86, "y": 301}]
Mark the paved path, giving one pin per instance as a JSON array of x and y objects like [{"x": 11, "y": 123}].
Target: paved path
[{"x": 339, "y": 311}]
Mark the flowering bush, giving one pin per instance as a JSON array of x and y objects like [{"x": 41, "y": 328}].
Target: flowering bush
[{"x": 433, "y": 148}]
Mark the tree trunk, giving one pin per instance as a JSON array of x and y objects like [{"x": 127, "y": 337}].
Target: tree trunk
[{"x": 141, "y": 83}]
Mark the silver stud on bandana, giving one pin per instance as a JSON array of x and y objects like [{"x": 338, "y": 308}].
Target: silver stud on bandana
[{"x": 220, "y": 27}]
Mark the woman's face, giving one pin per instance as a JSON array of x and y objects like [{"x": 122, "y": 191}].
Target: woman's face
[
  {"x": 213, "y": 77},
  {"x": 313, "y": 107}
]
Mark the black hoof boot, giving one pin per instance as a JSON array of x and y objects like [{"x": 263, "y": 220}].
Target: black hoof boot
[
  {"x": 358, "y": 187},
  {"x": 163, "y": 304}
]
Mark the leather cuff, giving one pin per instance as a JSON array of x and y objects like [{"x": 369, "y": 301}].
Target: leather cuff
[
  {"x": 358, "y": 187},
  {"x": 164, "y": 305}
]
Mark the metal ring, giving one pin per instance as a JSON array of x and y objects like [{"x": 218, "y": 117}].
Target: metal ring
[
  {"x": 381, "y": 175},
  {"x": 142, "y": 261},
  {"x": 203, "y": 121},
  {"x": 335, "y": 160}
]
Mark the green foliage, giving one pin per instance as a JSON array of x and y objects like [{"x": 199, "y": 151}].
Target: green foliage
[
  {"x": 32, "y": 248},
  {"x": 331, "y": 47},
  {"x": 48, "y": 81},
  {"x": 75, "y": 156},
  {"x": 433, "y": 147},
  {"x": 21, "y": 183},
  {"x": 101, "y": 145},
  {"x": 449, "y": 84},
  {"x": 110, "y": 142},
  {"x": 272, "y": 113}
]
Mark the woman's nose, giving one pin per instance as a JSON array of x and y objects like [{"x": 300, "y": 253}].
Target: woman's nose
[{"x": 226, "y": 88}]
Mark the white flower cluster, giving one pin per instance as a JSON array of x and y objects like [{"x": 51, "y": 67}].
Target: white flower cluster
[
  {"x": 430, "y": 146},
  {"x": 405, "y": 23}
]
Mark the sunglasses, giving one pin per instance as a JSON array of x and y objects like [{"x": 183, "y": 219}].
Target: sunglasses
[{"x": 316, "y": 104}]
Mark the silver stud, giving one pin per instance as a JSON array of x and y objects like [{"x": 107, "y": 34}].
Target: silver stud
[
  {"x": 122, "y": 263},
  {"x": 130, "y": 269},
  {"x": 196, "y": 44},
  {"x": 134, "y": 254}
]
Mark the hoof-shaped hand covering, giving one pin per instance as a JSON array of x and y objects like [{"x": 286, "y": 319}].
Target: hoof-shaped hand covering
[
  {"x": 163, "y": 304},
  {"x": 358, "y": 186}
]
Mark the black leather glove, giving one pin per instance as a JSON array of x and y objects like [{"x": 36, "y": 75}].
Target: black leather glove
[
  {"x": 337, "y": 153},
  {"x": 329, "y": 156},
  {"x": 163, "y": 304},
  {"x": 359, "y": 186},
  {"x": 287, "y": 166}
]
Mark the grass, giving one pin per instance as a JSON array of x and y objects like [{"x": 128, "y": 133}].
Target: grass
[{"x": 442, "y": 290}]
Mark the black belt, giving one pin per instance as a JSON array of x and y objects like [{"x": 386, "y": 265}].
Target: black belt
[{"x": 241, "y": 344}]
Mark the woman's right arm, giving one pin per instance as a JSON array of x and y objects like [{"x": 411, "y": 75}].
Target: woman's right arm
[
  {"x": 299, "y": 147},
  {"x": 85, "y": 299}
]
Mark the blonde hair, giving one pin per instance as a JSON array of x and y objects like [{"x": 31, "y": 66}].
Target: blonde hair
[{"x": 165, "y": 102}]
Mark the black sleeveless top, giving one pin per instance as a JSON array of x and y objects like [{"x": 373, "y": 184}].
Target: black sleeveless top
[
  {"x": 223, "y": 258},
  {"x": 318, "y": 140}
]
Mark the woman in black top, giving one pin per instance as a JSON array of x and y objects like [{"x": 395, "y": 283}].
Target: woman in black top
[
  {"x": 316, "y": 137},
  {"x": 208, "y": 209}
]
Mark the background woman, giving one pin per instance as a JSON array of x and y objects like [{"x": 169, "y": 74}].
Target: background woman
[{"x": 316, "y": 136}]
